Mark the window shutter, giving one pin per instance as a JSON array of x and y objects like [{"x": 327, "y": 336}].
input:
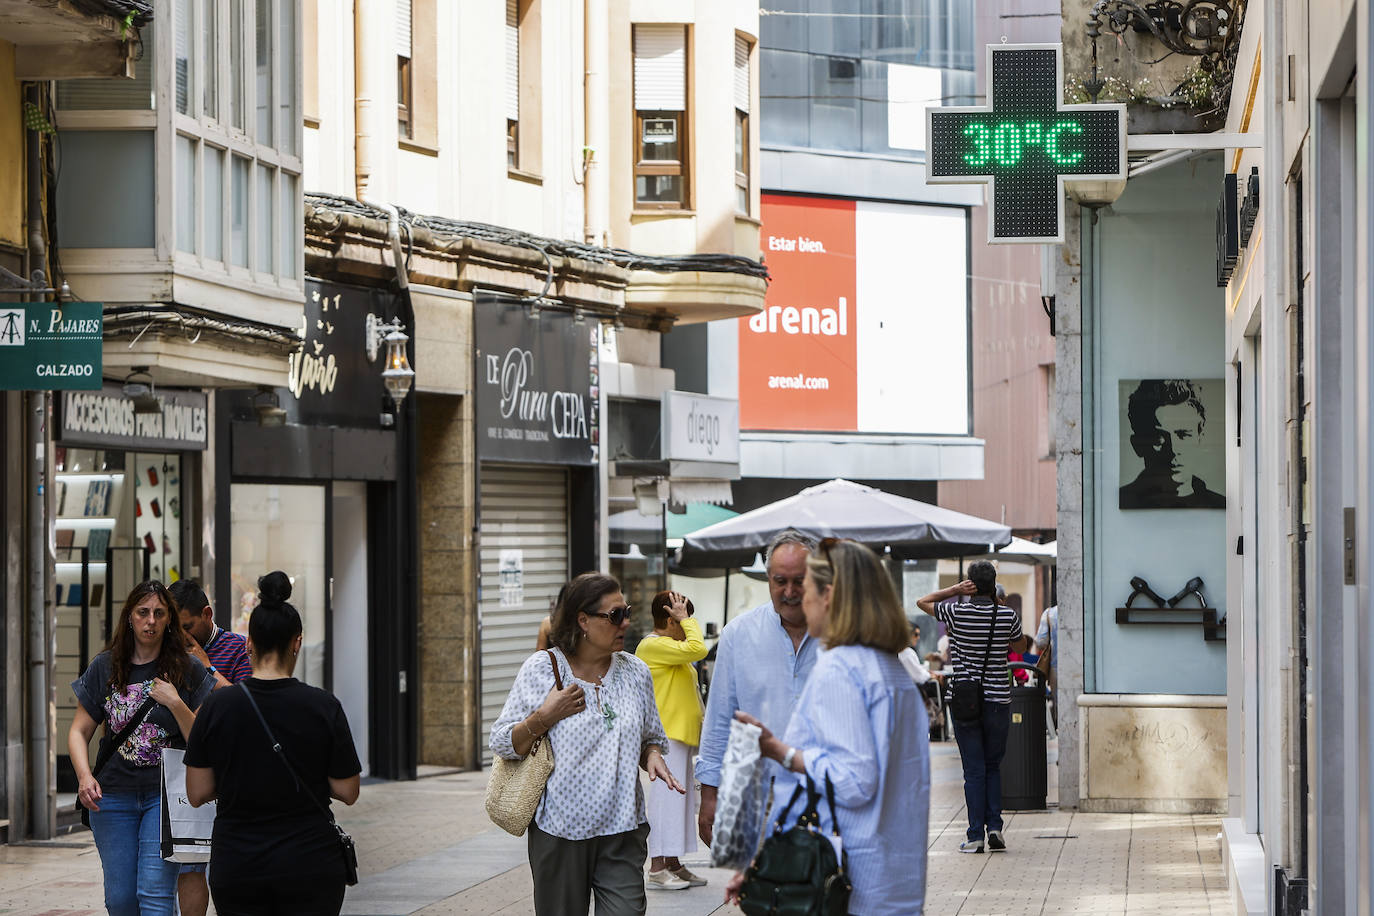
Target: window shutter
[
  {"x": 660, "y": 68},
  {"x": 512, "y": 60},
  {"x": 741, "y": 74},
  {"x": 403, "y": 29}
]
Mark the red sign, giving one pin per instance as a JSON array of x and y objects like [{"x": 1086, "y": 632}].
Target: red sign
[{"x": 798, "y": 357}]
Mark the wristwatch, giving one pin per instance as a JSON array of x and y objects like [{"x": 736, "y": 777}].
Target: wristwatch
[{"x": 787, "y": 758}]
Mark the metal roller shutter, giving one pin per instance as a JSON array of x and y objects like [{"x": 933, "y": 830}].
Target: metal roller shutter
[{"x": 522, "y": 509}]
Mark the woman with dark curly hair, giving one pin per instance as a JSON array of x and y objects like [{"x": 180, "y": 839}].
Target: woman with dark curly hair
[
  {"x": 589, "y": 835},
  {"x": 145, "y": 677}
]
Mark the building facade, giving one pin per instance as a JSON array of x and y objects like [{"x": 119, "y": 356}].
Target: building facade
[
  {"x": 1148, "y": 619},
  {"x": 47, "y": 580},
  {"x": 555, "y": 193},
  {"x": 1298, "y": 337}
]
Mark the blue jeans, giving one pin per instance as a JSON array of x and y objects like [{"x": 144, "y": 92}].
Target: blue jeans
[
  {"x": 982, "y": 745},
  {"x": 128, "y": 836}
]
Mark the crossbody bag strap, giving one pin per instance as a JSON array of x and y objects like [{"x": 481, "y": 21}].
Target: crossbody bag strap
[
  {"x": 987, "y": 650},
  {"x": 277, "y": 749},
  {"x": 557, "y": 678},
  {"x": 122, "y": 735}
]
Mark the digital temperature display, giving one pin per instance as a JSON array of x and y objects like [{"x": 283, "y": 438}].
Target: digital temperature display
[{"x": 1025, "y": 143}]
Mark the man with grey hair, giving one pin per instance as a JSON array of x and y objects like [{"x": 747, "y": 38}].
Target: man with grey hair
[{"x": 762, "y": 662}]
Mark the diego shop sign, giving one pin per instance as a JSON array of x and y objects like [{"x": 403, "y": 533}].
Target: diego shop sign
[
  {"x": 536, "y": 384},
  {"x": 106, "y": 419},
  {"x": 700, "y": 428}
]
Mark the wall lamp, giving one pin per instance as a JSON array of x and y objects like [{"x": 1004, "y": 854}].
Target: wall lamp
[
  {"x": 143, "y": 394},
  {"x": 397, "y": 374},
  {"x": 267, "y": 405}
]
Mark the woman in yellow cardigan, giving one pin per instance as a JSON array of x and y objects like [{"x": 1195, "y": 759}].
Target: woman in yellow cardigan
[{"x": 669, "y": 651}]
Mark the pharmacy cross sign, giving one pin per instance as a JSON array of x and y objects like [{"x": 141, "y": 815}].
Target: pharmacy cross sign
[{"x": 1026, "y": 143}]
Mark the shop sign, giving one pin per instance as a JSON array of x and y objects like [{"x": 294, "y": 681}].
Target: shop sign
[
  {"x": 1228, "y": 230},
  {"x": 1026, "y": 143},
  {"x": 106, "y": 419},
  {"x": 537, "y": 384},
  {"x": 329, "y": 379},
  {"x": 45, "y": 346},
  {"x": 660, "y": 130},
  {"x": 700, "y": 428}
]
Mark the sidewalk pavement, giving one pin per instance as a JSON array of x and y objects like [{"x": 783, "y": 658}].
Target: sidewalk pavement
[{"x": 426, "y": 848}]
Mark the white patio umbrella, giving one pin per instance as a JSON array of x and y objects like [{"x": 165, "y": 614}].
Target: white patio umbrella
[{"x": 840, "y": 508}]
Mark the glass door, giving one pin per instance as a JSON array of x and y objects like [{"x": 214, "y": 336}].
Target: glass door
[{"x": 282, "y": 526}]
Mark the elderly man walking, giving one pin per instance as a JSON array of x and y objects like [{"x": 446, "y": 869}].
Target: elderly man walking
[{"x": 762, "y": 662}]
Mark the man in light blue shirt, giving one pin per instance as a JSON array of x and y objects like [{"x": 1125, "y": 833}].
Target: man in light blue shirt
[{"x": 762, "y": 662}]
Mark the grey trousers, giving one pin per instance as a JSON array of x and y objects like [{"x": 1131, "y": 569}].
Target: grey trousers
[{"x": 568, "y": 872}]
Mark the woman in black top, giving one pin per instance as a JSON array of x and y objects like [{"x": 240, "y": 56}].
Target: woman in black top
[
  {"x": 274, "y": 851},
  {"x": 146, "y": 663}
]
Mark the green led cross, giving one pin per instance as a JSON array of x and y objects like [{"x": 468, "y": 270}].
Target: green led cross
[{"x": 1025, "y": 143}]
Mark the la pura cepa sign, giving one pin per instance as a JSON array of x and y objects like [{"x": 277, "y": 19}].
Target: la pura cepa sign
[
  {"x": 537, "y": 384},
  {"x": 1026, "y": 143}
]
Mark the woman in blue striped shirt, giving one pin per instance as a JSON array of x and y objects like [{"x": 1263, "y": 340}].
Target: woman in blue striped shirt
[{"x": 861, "y": 722}]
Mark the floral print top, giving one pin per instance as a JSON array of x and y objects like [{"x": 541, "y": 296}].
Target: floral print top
[{"x": 134, "y": 766}]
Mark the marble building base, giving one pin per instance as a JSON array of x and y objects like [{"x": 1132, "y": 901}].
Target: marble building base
[{"x": 1156, "y": 753}]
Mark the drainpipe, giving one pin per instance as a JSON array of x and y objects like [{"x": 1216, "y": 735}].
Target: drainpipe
[
  {"x": 367, "y": 97},
  {"x": 41, "y": 775},
  {"x": 596, "y": 205}
]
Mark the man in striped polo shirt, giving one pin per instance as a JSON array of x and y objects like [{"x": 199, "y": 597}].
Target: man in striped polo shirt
[
  {"x": 971, "y": 613},
  {"x": 226, "y": 655}
]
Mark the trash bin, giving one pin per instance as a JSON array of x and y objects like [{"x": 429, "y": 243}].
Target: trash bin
[{"x": 1024, "y": 768}]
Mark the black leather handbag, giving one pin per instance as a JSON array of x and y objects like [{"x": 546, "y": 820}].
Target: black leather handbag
[
  {"x": 797, "y": 871},
  {"x": 966, "y": 691}
]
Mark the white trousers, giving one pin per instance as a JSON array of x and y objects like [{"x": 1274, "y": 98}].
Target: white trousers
[{"x": 672, "y": 817}]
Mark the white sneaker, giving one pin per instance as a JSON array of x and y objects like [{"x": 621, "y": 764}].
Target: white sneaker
[
  {"x": 685, "y": 874},
  {"x": 664, "y": 880}
]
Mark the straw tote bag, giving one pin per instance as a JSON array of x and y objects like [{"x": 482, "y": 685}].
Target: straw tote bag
[{"x": 517, "y": 785}]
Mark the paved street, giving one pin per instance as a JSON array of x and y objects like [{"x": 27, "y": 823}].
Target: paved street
[{"x": 426, "y": 848}]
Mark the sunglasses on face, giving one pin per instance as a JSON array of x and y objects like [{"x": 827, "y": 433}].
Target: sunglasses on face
[{"x": 616, "y": 615}]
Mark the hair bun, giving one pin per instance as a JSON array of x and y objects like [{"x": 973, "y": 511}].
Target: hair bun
[{"x": 274, "y": 588}]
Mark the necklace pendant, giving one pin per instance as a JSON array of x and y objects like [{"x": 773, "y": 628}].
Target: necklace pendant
[{"x": 608, "y": 716}]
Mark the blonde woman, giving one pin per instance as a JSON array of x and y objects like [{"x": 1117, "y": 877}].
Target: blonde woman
[
  {"x": 669, "y": 651},
  {"x": 861, "y": 723}
]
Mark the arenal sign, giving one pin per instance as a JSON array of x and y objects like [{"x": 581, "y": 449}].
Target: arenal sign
[
  {"x": 1026, "y": 143},
  {"x": 46, "y": 346}
]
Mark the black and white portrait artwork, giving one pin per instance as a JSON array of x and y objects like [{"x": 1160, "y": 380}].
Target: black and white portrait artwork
[{"x": 1171, "y": 444}]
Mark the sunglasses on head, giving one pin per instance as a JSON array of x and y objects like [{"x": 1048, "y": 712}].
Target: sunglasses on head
[
  {"x": 825, "y": 545},
  {"x": 616, "y": 615}
]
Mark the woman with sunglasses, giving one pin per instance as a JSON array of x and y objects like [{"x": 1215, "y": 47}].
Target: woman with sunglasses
[
  {"x": 861, "y": 723},
  {"x": 589, "y": 834}
]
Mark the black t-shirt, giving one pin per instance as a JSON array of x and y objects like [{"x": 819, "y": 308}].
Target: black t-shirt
[
  {"x": 135, "y": 766},
  {"x": 267, "y": 827}
]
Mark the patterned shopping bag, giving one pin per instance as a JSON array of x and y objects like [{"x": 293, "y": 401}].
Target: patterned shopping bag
[{"x": 740, "y": 800}]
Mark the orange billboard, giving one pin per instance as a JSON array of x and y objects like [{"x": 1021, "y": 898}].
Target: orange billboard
[
  {"x": 798, "y": 357},
  {"x": 865, "y": 324}
]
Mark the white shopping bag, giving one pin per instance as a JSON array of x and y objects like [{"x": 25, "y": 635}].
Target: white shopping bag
[
  {"x": 185, "y": 830},
  {"x": 740, "y": 800}
]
